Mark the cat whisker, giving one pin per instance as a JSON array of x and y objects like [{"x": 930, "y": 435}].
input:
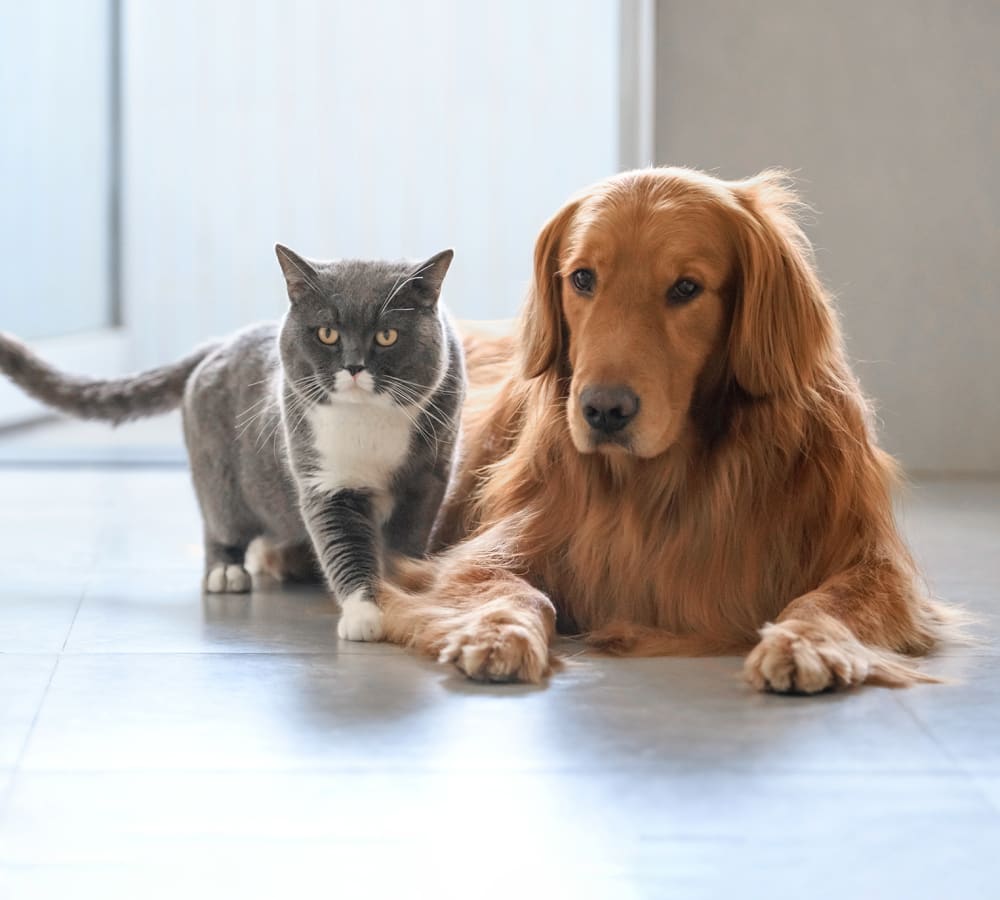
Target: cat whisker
[
  {"x": 425, "y": 403},
  {"x": 244, "y": 421},
  {"x": 431, "y": 438},
  {"x": 242, "y": 429},
  {"x": 291, "y": 432},
  {"x": 424, "y": 387},
  {"x": 442, "y": 420},
  {"x": 416, "y": 420},
  {"x": 307, "y": 381},
  {"x": 266, "y": 432},
  {"x": 248, "y": 416},
  {"x": 389, "y": 296},
  {"x": 398, "y": 286},
  {"x": 266, "y": 400},
  {"x": 262, "y": 380},
  {"x": 412, "y": 396},
  {"x": 305, "y": 404},
  {"x": 404, "y": 388},
  {"x": 293, "y": 403},
  {"x": 260, "y": 419},
  {"x": 433, "y": 413}
]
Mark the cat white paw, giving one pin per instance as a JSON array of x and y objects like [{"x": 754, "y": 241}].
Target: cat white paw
[
  {"x": 360, "y": 620},
  {"x": 231, "y": 579}
]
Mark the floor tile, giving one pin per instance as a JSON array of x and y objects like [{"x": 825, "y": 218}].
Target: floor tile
[
  {"x": 37, "y": 607},
  {"x": 319, "y": 870},
  {"x": 165, "y": 611},
  {"x": 6, "y": 783},
  {"x": 31, "y": 540},
  {"x": 63, "y": 441},
  {"x": 702, "y": 836},
  {"x": 963, "y": 717},
  {"x": 990, "y": 786},
  {"x": 232, "y": 744},
  {"x": 23, "y": 683},
  {"x": 395, "y": 711},
  {"x": 954, "y": 527}
]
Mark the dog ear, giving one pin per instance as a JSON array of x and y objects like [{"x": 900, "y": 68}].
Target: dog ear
[
  {"x": 784, "y": 327},
  {"x": 542, "y": 327}
]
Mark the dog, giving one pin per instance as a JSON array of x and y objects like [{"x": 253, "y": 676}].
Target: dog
[{"x": 673, "y": 457}]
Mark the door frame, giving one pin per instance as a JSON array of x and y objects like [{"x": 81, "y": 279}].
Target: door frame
[
  {"x": 103, "y": 351},
  {"x": 637, "y": 84}
]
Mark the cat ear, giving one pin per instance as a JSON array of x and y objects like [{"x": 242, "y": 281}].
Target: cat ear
[
  {"x": 428, "y": 277},
  {"x": 300, "y": 277}
]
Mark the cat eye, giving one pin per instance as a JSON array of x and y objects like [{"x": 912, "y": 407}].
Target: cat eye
[
  {"x": 328, "y": 335},
  {"x": 682, "y": 290},
  {"x": 387, "y": 337},
  {"x": 583, "y": 280}
]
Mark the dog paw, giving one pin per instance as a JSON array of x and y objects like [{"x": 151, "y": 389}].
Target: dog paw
[
  {"x": 498, "y": 651},
  {"x": 360, "y": 620},
  {"x": 227, "y": 579},
  {"x": 798, "y": 657}
]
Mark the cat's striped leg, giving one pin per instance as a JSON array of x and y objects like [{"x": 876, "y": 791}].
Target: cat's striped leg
[{"x": 345, "y": 535}]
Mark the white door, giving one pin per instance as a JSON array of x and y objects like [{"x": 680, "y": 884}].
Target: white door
[
  {"x": 376, "y": 128},
  {"x": 55, "y": 167},
  {"x": 57, "y": 206}
]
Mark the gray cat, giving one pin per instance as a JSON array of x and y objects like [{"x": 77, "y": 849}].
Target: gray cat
[{"x": 331, "y": 437}]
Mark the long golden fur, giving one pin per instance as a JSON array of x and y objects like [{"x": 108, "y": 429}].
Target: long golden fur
[{"x": 746, "y": 507}]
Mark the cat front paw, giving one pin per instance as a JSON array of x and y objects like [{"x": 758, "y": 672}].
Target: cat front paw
[
  {"x": 360, "y": 619},
  {"x": 227, "y": 579}
]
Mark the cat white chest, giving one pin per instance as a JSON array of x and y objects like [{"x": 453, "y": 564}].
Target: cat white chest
[{"x": 357, "y": 445}]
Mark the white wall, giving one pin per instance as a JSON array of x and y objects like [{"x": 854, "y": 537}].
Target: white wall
[
  {"x": 889, "y": 111},
  {"x": 350, "y": 129},
  {"x": 54, "y": 167}
]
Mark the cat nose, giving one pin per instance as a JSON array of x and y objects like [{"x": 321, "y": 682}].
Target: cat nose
[{"x": 354, "y": 369}]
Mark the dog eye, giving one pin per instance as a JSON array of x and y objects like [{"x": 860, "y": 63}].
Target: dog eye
[
  {"x": 583, "y": 280},
  {"x": 683, "y": 290}
]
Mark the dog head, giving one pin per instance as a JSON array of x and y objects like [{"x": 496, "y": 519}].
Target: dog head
[{"x": 655, "y": 286}]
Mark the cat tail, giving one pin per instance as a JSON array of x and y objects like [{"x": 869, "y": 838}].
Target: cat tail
[{"x": 113, "y": 400}]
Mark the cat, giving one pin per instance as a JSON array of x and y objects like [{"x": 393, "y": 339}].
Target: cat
[{"x": 331, "y": 435}]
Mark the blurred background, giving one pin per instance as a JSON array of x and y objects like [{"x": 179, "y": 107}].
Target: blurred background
[{"x": 152, "y": 154}]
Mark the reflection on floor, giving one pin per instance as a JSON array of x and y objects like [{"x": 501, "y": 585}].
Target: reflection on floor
[{"x": 155, "y": 742}]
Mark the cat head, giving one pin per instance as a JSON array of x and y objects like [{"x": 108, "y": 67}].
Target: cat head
[{"x": 363, "y": 331}]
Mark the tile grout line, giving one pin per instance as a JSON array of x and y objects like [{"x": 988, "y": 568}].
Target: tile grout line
[
  {"x": 952, "y": 759},
  {"x": 363, "y": 770},
  {"x": 977, "y": 781},
  {"x": 76, "y": 612},
  {"x": 961, "y": 768},
  {"x": 9, "y": 789}
]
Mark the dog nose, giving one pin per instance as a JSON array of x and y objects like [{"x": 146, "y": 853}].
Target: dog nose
[
  {"x": 354, "y": 369},
  {"x": 609, "y": 408}
]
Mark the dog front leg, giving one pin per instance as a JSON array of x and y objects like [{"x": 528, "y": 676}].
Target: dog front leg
[
  {"x": 853, "y": 629},
  {"x": 466, "y": 608}
]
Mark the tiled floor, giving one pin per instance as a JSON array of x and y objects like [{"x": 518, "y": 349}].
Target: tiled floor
[{"x": 158, "y": 743}]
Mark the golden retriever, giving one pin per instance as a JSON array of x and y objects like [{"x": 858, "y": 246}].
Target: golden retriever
[{"x": 672, "y": 458}]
